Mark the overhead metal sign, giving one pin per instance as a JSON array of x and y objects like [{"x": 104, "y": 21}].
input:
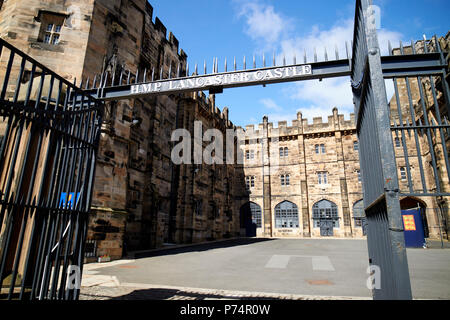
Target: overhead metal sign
[{"x": 224, "y": 80}]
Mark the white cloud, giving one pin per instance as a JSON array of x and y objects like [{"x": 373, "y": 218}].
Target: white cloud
[
  {"x": 263, "y": 24},
  {"x": 270, "y": 104},
  {"x": 266, "y": 26}
]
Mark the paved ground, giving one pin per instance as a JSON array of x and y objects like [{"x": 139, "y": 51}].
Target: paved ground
[{"x": 259, "y": 269}]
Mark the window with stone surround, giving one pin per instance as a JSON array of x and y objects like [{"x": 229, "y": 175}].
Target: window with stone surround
[
  {"x": 358, "y": 172},
  {"x": 320, "y": 149},
  {"x": 284, "y": 152},
  {"x": 286, "y": 215},
  {"x": 51, "y": 27},
  {"x": 250, "y": 154},
  {"x": 322, "y": 177},
  {"x": 403, "y": 174},
  {"x": 356, "y": 146},
  {"x": 250, "y": 182},
  {"x": 285, "y": 180},
  {"x": 325, "y": 210},
  {"x": 398, "y": 142}
]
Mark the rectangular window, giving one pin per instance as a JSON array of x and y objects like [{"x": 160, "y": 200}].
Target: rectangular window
[
  {"x": 359, "y": 176},
  {"x": 356, "y": 146},
  {"x": 322, "y": 148},
  {"x": 51, "y": 27},
  {"x": 403, "y": 173},
  {"x": 323, "y": 177}
]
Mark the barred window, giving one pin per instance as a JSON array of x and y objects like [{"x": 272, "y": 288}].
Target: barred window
[
  {"x": 325, "y": 209},
  {"x": 286, "y": 215}
]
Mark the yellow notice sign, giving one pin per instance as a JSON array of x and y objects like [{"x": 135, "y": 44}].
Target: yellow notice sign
[{"x": 409, "y": 223}]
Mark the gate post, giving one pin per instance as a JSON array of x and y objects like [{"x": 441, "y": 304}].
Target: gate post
[{"x": 386, "y": 242}]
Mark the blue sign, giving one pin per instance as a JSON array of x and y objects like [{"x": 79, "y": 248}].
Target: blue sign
[{"x": 414, "y": 232}]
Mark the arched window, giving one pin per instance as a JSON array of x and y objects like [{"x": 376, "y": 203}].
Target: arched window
[
  {"x": 325, "y": 210},
  {"x": 286, "y": 215},
  {"x": 286, "y": 152},
  {"x": 253, "y": 211}
]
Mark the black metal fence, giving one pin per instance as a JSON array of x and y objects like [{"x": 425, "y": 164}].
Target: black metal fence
[
  {"x": 403, "y": 143},
  {"x": 47, "y": 166}
]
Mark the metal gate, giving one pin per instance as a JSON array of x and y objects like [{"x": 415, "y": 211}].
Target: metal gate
[
  {"x": 392, "y": 137},
  {"x": 326, "y": 227},
  {"x": 50, "y": 124},
  {"x": 47, "y": 166}
]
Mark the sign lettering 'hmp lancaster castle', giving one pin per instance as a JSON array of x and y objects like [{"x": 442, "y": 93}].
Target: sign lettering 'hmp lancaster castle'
[{"x": 224, "y": 80}]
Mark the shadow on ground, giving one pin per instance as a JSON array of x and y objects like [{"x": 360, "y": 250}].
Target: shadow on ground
[
  {"x": 198, "y": 248},
  {"x": 172, "y": 294}
]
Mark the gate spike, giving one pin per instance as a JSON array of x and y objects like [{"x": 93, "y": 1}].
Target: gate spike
[
  {"x": 145, "y": 75},
  {"x": 401, "y": 47},
  {"x": 94, "y": 82},
  {"x": 137, "y": 76},
  {"x": 295, "y": 58},
  {"x": 161, "y": 73},
  {"x": 87, "y": 83},
  {"x": 204, "y": 66},
  {"x": 390, "y": 47},
  {"x": 264, "y": 61},
  {"x": 336, "y": 51},
  {"x": 113, "y": 80},
  {"x": 196, "y": 68},
  {"x": 413, "y": 47},
  {"x": 226, "y": 66},
  {"x": 284, "y": 60},
  {"x": 153, "y": 74},
  {"x": 214, "y": 65},
  {"x": 234, "y": 63},
  {"x": 129, "y": 77},
  {"x": 326, "y": 54},
  {"x": 305, "y": 58},
  {"x": 254, "y": 62},
  {"x": 245, "y": 64},
  {"x": 274, "y": 59},
  {"x": 106, "y": 80},
  {"x": 121, "y": 77},
  {"x": 315, "y": 55},
  {"x": 81, "y": 83},
  {"x": 178, "y": 70},
  {"x": 170, "y": 71},
  {"x": 187, "y": 69},
  {"x": 217, "y": 65}
]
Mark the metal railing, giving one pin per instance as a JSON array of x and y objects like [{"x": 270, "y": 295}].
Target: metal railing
[{"x": 47, "y": 166}]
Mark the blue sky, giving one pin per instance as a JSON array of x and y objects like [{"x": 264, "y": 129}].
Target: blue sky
[{"x": 234, "y": 28}]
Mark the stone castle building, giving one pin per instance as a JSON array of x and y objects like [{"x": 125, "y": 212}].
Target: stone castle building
[{"x": 296, "y": 181}]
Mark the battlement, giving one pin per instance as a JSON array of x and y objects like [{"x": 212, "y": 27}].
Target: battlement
[
  {"x": 159, "y": 26},
  {"x": 334, "y": 122}
]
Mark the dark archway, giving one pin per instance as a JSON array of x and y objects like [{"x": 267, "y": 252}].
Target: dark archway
[
  {"x": 251, "y": 218},
  {"x": 409, "y": 203}
]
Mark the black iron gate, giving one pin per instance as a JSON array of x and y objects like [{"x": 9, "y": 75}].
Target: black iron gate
[
  {"x": 49, "y": 132},
  {"x": 392, "y": 137},
  {"x": 47, "y": 166}
]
